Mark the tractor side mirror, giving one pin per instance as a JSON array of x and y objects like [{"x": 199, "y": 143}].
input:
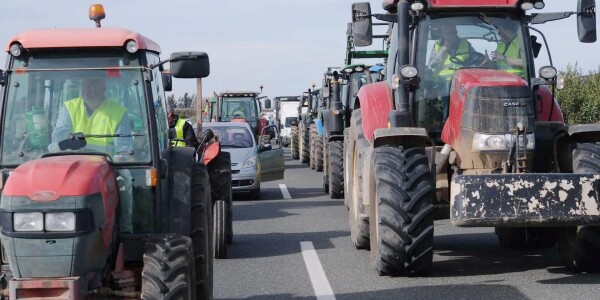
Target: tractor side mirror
[
  {"x": 586, "y": 21},
  {"x": 190, "y": 65},
  {"x": 167, "y": 81},
  {"x": 267, "y": 103},
  {"x": 362, "y": 24},
  {"x": 535, "y": 45}
]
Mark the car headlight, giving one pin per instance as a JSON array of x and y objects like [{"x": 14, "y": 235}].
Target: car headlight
[
  {"x": 250, "y": 162},
  {"x": 62, "y": 221},
  {"x": 491, "y": 142},
  {"x": 32, "y": 221}
]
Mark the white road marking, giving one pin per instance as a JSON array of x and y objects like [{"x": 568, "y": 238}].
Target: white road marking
[
  {"x": 317, "y": 276},
  {"x": 284, "y": 191}
]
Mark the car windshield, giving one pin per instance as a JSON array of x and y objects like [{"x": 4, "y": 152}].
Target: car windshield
[
  {"x": 52, "y": 95},
  {"x": 244, "y": 107},
  {"x": 233, "y": 136},
  {"x": 290, "y": 120},
  {"x": 473, "y": 39}
]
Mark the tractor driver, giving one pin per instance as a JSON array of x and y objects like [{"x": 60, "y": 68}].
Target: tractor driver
[
  {"x": 91, "y": 113},
  {"x": 449, "y": 54},
  {"x": 508, "y": 53}
]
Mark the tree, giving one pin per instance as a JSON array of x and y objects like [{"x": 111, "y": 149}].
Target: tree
[
  {"x": 580, "y": 99},
  {"x": 171, "y": 101}
]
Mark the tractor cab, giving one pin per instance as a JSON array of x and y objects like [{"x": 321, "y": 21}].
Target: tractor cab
[
  {"x": 87, "y": 167},
  {"x": 240, "y": 106}
]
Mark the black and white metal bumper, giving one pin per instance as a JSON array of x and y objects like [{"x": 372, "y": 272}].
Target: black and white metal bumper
[{"x": 548, "y": 199}]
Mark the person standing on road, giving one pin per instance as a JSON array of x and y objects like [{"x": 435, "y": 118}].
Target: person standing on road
[{"x": 183, "y": 131}]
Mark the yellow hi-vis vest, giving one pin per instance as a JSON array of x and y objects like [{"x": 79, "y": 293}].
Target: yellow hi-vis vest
[
  {"x": 513, "y": 51},
  {"x": 179, "y": 133},
  {"x": 448, "y": 68},
  {"x": 104, "y": 120}
]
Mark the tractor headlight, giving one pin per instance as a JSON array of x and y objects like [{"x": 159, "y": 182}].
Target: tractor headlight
[
  {"x": 495, "y": 142},
  {"x": 32, "y": 221},
  {"x": 250, "y": 162},
  {"x": 62, "y": 221}
]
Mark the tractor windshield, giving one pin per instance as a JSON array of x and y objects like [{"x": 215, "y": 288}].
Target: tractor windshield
[
  {"x": 447, "y": 43},
  {"x": 52, "y": 95},
  {"x": 243, "y": 107}
]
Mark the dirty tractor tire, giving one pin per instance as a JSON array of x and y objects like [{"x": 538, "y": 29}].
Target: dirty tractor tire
[
  {"x": 359, "y": 220},
  {"x": 169, "y": 271},
  {"x": 527, "y": 238},
  {"x": 578, "y": 246},
  {"x": 325, "y": 165},
  {"x": 294, "y": 144},
  {"x": 201, "y": 231},
  {"x": 220, "y": 229},
  {"x": 401, "y": 219},
  {"x": 305, "y": 148},
  {"x": 350, "y": 143},
  {"x": 318, "y": 153},
  {"x": 219, "y": 170},
  {"x": 336, "y": 169},
  {"x": 312, "y": 138}
]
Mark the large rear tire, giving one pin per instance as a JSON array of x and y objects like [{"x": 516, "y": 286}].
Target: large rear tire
[
  {"x": 579, "y": 246},
  {"x": 219, "y": 170},
  {"x": 168, "y": 271},
  {"x": 201, "y": 231},
  {"x": 220, "y": 229},
  {"x": 318, "y": 153},
  {"x": 304, "y": 145},
  {"x": 401, "y": 220},
  {"x": 312, "y": 138},
  {"x": 325, "y": 165},
  {"x": 294, "y": 144},
  {"x": 336, "y": 169},
  {"x": 359, "y": 220}
]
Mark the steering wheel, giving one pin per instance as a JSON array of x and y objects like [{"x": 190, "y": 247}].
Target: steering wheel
[{"x": 475, "y": 59}]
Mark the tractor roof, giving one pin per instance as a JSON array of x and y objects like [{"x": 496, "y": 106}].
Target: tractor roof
[
  {"x": 390, "y": 5},
  {"x": 81, "y": 38},
  {"x": 238, "y": 94},
  {"x": 288, "y": 98}
]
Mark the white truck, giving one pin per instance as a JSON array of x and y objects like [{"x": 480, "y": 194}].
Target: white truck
[{"x": 286, "y": 114}]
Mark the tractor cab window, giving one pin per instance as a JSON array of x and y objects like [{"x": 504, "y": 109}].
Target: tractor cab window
[
  {"x": 84, "y": 102},
  {"x": 449, "y": 43},
  {"x": 243, "y": 107}
]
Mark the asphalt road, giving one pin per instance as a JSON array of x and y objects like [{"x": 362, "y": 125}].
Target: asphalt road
[{"x": 266, "y": 261}]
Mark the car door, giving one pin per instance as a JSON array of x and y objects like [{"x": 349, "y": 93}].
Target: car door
[{"x": 270, "y": 156}]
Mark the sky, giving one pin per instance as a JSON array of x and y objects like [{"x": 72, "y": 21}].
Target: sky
[{"x": 283, "y": 45}]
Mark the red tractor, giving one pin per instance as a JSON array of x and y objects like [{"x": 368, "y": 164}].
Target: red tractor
[
  {"x": 100, "y": 206},
  {"x": 479, "y": 139}
]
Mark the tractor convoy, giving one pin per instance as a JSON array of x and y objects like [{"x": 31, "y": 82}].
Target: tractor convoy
[{"x": 446, "y": 118}]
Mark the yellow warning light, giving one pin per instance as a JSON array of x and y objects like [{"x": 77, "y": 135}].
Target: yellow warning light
[{"x": 97, "y": 13}]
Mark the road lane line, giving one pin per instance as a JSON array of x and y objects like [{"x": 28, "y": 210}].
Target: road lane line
[
  {"x": 284, "y": 191},
  {"x": 317, "y": 276}
]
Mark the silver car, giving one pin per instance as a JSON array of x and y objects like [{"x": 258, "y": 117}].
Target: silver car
[{"x": 251, "y": 164}]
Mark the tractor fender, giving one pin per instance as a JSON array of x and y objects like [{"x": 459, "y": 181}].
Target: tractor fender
[
  {"x": 401, "y": 136},
  {"x": 546, "y": 104},
  {"x": 375, "y": 102},
  {"x": 570, "y": 135},
  {"x": 319, "y": 125}
]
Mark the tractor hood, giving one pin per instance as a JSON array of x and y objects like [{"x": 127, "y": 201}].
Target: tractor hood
[{"x": 49, "y": 178}]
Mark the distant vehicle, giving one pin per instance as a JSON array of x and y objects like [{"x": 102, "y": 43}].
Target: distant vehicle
[
  {"x": 286, "y": 114},
  {"x": 251, "y": 164}
]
